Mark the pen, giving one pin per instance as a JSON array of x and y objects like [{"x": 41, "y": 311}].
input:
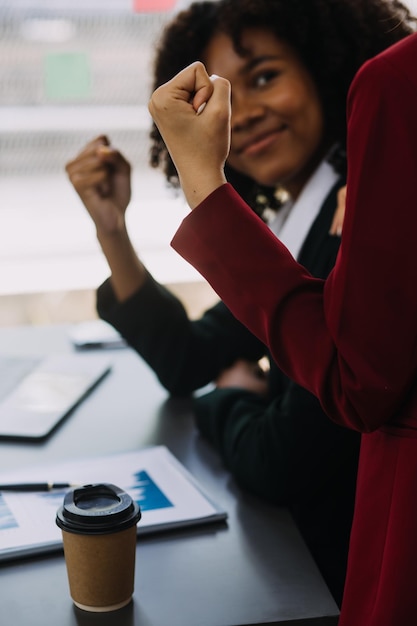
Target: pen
[{"x": 35, "y": 486}]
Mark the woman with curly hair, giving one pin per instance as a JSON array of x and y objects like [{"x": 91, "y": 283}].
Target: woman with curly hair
[{"x": 290, "y": 64}]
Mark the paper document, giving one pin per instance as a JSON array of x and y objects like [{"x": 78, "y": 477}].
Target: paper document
[{"x": 166, "y": 492}]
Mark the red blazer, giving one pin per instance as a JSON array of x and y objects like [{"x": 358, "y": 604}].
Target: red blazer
[{"x": 352, "y": 339}]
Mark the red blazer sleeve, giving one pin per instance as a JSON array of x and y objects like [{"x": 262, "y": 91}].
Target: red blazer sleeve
[{"x": 352, "y": 339}]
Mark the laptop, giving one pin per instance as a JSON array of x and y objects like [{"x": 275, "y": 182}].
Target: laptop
[{"x": 37, "y": 394}]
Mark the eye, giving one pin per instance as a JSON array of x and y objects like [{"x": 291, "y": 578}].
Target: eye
[{"x": 265, "y": 77}]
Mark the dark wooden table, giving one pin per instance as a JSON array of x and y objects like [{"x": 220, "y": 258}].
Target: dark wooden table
[{"x": 254, "y": 569}]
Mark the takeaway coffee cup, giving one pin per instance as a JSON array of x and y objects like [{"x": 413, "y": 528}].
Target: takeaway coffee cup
[{"x": 98, "y": 524}]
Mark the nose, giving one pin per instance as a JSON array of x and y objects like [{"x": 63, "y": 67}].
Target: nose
[{"x": 246, "y": 111}]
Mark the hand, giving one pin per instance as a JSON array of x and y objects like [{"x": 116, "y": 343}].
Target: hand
[
  {"x": 339, "y": 216},
  {"x": 101, "y": 177},
  {"x": 198, "y": 143},
  {"x": 244, "y": 375}
]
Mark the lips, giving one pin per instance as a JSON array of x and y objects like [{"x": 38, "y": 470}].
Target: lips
[{"x": 260, "y": 142}]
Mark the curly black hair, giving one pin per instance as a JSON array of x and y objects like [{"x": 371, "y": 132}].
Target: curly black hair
[{"x": 333, "y": 38}]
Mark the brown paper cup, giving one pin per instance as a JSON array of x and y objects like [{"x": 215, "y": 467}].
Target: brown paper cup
[
  {"x": 101, "y": 569},
  {"x": 98, "y": 524}
]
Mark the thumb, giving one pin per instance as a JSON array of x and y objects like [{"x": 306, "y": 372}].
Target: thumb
[
  {"x": 189, "y": 85},
  {"x": 203, "y": 89},
  {"x": 113, "y": 157},
  {"x": 218, "y": 89}
]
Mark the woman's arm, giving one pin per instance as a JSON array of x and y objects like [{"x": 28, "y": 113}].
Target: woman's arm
[
  {"x": 101, "y": 177},
  {"x": 185, "y": 354},
  {"x": 198, "y": 143}
]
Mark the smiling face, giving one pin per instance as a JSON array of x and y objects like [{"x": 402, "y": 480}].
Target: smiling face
[{"x": 277, "y": 117}]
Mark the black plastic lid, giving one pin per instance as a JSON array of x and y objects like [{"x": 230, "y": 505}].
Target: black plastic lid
[{"x": 97, "y": 509}]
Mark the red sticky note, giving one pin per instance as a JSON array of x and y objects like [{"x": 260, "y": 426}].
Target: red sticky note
[{"x": 153, "y": 6}]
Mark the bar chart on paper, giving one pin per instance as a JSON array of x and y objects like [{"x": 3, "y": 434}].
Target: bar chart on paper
[{"x": 167, "y": 494}]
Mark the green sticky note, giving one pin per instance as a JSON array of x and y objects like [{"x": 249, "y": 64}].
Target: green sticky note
[{"x": 67, "y": 76}]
